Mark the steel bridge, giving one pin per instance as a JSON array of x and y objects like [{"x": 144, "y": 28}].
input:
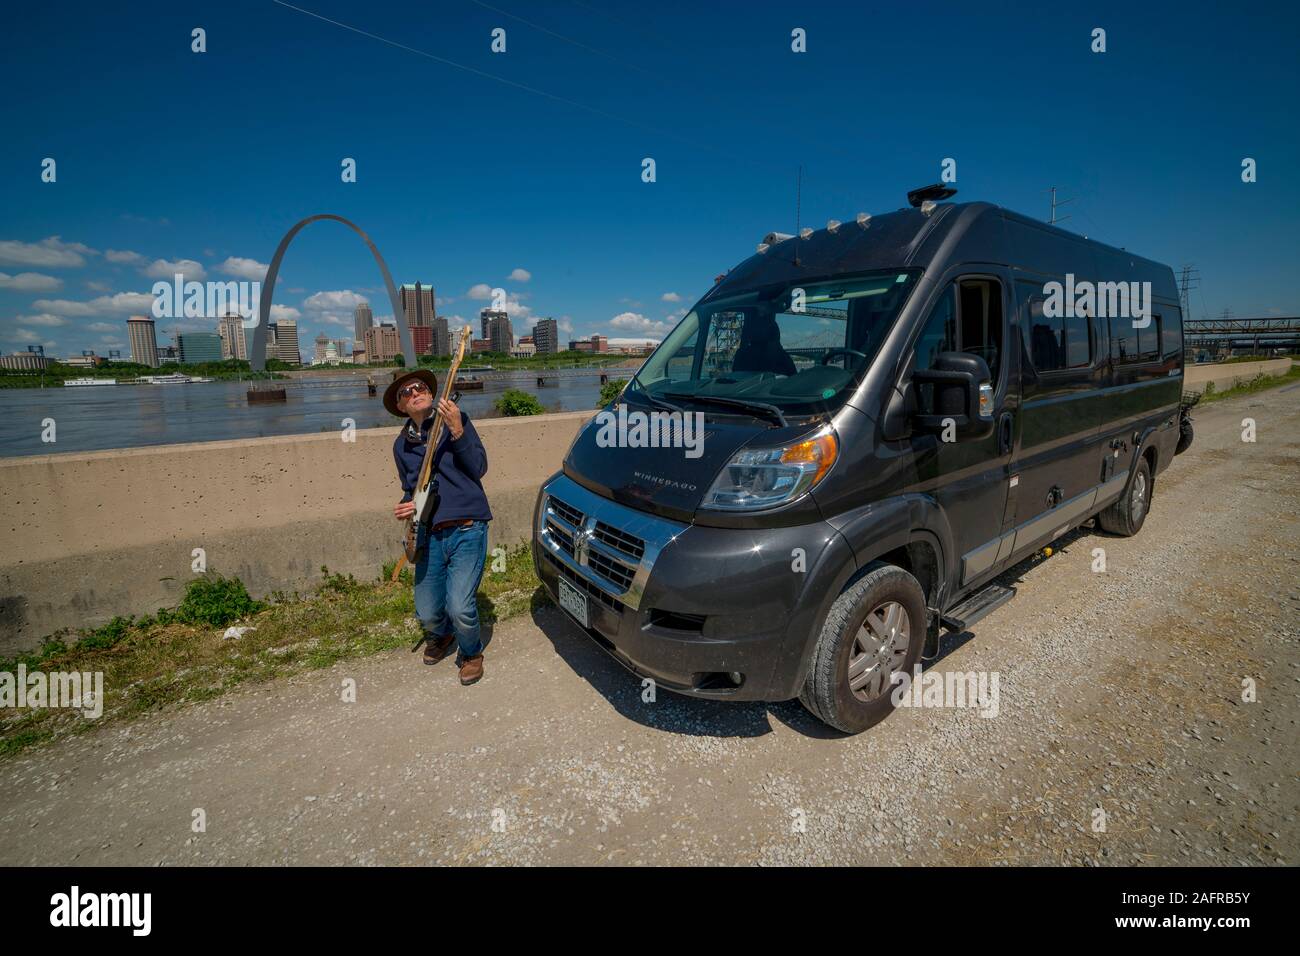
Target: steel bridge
[{"x": 1256, "y": 333}]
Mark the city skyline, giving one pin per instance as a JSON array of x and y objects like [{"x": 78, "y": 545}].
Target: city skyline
[{"x": 560, "y": 218}]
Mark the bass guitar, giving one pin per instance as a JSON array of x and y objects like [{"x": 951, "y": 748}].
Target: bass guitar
[{"x": 425, "y": 497}]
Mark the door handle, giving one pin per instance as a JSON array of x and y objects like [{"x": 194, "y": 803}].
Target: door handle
[{"x": 1005, "y": 433}]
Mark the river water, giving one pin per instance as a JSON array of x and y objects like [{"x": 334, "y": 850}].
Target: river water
[{"x": 97, "y": 417}]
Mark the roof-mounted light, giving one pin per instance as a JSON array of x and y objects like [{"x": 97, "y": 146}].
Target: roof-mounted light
[
  {"x": 772, "y": 238},
  {"x": 805, "y": 232},
  {"x": 864, "y": 220},
  {"x": 833, "y": 226}
]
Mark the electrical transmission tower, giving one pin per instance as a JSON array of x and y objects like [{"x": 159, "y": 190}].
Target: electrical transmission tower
[{"x": 1189, "y": 278}]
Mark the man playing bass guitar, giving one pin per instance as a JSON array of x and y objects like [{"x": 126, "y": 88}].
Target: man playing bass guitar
[{"x": 452, "y": 545}]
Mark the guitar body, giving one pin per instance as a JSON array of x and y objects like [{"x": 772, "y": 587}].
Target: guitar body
[
  {"x": 425, "y": 497},
  {"x": 426, "y": 502}
]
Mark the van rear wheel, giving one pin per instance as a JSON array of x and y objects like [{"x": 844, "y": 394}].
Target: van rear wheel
[
  {"x": 874, "y": 629},
  {"x": 1125, "y": 516}
]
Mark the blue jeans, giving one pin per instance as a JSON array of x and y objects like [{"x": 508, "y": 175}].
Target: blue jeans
[{"x": 446, "y": 582}]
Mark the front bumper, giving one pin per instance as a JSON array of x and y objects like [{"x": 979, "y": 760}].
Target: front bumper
[{"x": 708, "y": 612}]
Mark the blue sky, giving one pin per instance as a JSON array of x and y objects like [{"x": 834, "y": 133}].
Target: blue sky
[{"x": 531, "y": 159}]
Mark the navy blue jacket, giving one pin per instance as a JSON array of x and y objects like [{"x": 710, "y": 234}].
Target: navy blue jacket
[{"x": 459, "y": 467}]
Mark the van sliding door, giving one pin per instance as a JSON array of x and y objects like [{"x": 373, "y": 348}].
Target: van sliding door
[{"x": 1058, "y": 463}]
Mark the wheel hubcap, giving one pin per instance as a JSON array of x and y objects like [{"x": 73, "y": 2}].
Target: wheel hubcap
[
  {"x": 878, "y": 650},
  {"x": 1139, "y": 496}
]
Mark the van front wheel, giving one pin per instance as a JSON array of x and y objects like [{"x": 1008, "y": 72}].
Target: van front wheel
[
  {"x": 874, "y": 629},
  {"x": 1125, "y": 516}
]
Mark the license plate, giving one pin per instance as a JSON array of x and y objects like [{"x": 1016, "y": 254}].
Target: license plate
[{"x": 573, "y": 601}]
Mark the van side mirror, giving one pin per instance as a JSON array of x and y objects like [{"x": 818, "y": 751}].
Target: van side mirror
[{"x": 963, "y": 395}]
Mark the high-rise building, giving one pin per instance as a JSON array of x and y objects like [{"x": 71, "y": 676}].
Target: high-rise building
[
  {"x": 362, "y": 319},
  {"x": 417, "y": 305},
  {"x": 497, "y": 331},
  {"x": 322, "y": 340},
  {"x": 234, "y": 344},
  {"x": 441, "y": 337},
  {"x": 286, "y": 342},
  {"x": 599, "y": 343},
  {"x": 144, "y": 344},
  {"x": 546, "y": 336},
  {"x": 422, "y": 339},
  {"x": 382, "y": 343},
  {"x": 343, "y": 349},
  {"x": 485, "y": 319},
  {"x": 199, "y": 347}
]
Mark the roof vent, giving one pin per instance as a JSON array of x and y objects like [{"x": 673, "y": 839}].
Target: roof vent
[
  {"x": 864, "y": 220},
  {"x": 833, "y": 226},
  {"x": 930, "y": 193},
  {"x": 805, "y": 232}
]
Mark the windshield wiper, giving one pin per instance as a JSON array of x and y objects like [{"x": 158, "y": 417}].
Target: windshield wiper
[
  {"x": 770, "y": 411},
  {"x": 657, "y": 402}
]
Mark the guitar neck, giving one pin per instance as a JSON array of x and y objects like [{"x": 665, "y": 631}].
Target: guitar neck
[{"x": 435, "y": 432}]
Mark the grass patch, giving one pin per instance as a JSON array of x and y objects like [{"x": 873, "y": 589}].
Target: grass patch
[
  {"x": 179, "y": 655},
  {"x": 1260, "y": 383}
]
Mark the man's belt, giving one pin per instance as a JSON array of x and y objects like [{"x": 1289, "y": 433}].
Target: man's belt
[{"x": 454, "y": 522}]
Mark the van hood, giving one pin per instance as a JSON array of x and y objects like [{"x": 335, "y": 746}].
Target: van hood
[{"x": 664, "y": 481}]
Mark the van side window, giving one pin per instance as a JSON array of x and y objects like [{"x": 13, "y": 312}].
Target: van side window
[
  {"x": 1148, "y": 339},
  {"x": 981, "y": 321},
  {"x": 1063, "y": 342},
  {"x": 940, "y": 333},
  {"x": 1123, "y": 341},
  {"x": 1078, "y": 342},
  {"x": 1171, "y": 334}
]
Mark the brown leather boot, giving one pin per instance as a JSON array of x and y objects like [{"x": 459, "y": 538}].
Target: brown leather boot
[
  {"x": 435, "y": 651},
  {"x": 471, "y": 670}
]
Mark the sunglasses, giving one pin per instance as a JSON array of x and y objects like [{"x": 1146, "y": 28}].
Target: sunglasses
[{"x": 413, "y": 389}]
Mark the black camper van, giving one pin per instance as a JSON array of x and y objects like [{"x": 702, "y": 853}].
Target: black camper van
[{"x": 895, "y": 409}]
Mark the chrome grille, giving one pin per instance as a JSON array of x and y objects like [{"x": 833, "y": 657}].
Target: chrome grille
[
  {"x": 609, "y": 547},
  {"x": 615, "y": 572},
  {"x": 567, "y": 512},
  {"x": 630, "y": 545}
]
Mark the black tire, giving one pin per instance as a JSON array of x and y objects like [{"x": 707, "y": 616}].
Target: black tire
[
  {"x": 827, "y": 692},
  {"x": 1126, "y": 516},
  {"x": 1184, "y": 436}
]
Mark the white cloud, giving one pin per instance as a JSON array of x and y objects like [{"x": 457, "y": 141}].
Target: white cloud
[
  {"x": 249, "y": 269},
  {"x": 24, "y": 335},
  {"x": 338, "y": 301},
  {"x": 120, "y": 303},
  {"x": 44, "y": 318},
  {"x": 635, "y": 322},
  {"x": 284, "y": 313},
  {"x": 625, "y": 342},
  {"x": 520, "y": 275},
  {"x": 123, "y": 256},
  {"x": 29, "y": 282},
  {"x": 480, "y": 290},
  {"x": 51, "y": 253},
  {"x": 102, "y": 327},
  {"x": 98, "y": 286},
  {"x": 163, "y": 269},
  {"x": 671, "y": 297}
]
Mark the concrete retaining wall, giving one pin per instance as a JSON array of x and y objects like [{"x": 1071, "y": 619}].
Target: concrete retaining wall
[
  {"x": 1229, "y": 374},
  {"x": 88, "y": 536}
]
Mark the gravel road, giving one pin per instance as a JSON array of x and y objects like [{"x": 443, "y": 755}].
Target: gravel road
[{"x": 1121, "y": 736}]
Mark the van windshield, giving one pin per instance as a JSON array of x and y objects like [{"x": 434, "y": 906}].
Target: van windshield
[{"x": 801, "y": 348}]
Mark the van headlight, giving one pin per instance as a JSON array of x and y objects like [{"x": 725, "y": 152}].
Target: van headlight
[{"x": 763, "y": 477}]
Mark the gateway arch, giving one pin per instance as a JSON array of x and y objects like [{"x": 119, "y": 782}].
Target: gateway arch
[{"x": 257, "y": 359}]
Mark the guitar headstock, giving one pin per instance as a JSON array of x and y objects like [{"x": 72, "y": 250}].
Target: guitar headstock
[{"x": 465, "y": 333}]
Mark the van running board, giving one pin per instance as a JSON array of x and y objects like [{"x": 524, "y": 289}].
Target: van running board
[{"x": 976, "y": 607}]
